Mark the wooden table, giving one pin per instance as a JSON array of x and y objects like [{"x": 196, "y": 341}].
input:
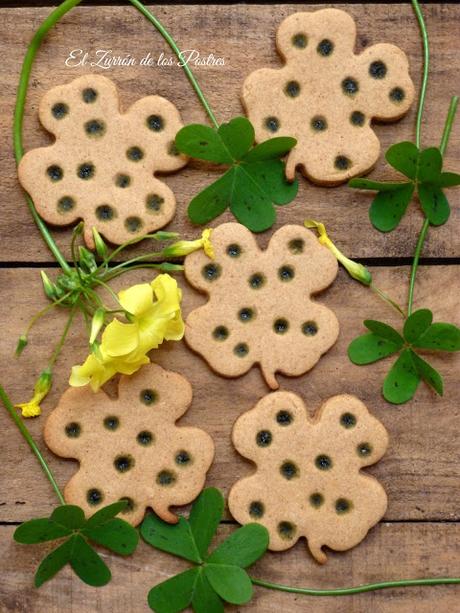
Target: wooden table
[{"x": 420, "y": 534}]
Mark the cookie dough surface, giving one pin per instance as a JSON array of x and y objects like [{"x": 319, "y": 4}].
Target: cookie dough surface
[
  {"x": 101, "y": 167},
  {"x": 130, "y": 447},
  {"x": 326, "y": 96},
  {"x": 260, "y": 309},
  {"x": 308, "y": 480}
]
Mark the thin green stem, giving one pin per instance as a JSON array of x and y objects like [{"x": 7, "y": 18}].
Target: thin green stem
[
  {"x": 109, "y": 289},
  {"x": 387, "y": 299},
  {"x": 30, "y": 441},
  {"x": 359, "y": 589},
  {"x": 59, "y": 346},
  {"x": 448, "y": 124},
  {"x": 133, "y": 241},
  {"x": 415, "y": 262},
  {"x": 172, "y": 43},
  {"x": 426, "y": 224},
  {"x": 426, "y": 67},
  {"x": 160, "y": 266},
  {"x": 139, "y": 258},
  {"x": 40, "y": 34},
  {"x": 43, "y": 312}
]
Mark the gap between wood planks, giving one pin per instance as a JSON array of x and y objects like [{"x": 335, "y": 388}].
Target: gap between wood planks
[
  {"x": 43, "y": 3},
  {"x": 378, "y": 262}
]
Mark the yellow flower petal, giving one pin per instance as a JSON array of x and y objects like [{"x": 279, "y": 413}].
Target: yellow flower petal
[
  {"x": 30, "y": 409},
  {"x": 128, "y": 367},
  {"x": 137, "y": 299},
  {"x": 119, "y": 338},
  {"x": 175, "y": 328},
  {"x": 93, "y": 372},
  {"x": 207, "y": 245},
  {"x": 78, "y": 377}
]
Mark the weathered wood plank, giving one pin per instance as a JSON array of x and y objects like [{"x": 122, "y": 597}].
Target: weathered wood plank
[
  {"x": 391, "y": 551},
  {"x": 420, "y": 471},
  {"x": 235, "y": 32}
]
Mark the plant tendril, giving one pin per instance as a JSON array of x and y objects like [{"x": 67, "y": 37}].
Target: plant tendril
[
  {"x": 172, "y": 43},
  {"x": 24, "y": 78},
  {"x": 359, "y": 589},
  {"x": 426, "y": 67}
]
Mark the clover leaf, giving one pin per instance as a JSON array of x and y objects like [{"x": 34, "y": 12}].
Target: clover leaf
[
  {"x": 423, "y": 168},
  {"x": 69, "y": 521},
  {"x": 253, "y": 184},
  {"x": 419, "y": 332},
  {"x": 216, "y": 577}
]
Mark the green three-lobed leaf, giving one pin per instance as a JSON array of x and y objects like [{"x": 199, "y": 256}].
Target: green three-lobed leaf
[
  {"x": 253, "y": 184},
  {"x": 68, "y": 521},
  {"x": 219, "y": 576},
  {"x": 423, "y": 168},
  {"x": 419, "y": 332}
]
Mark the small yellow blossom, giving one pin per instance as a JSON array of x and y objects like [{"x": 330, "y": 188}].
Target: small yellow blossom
[
  {"x": 354, "y": 269},
  {"x": 185, "y": 247},
  {"x": 41, "y": 389},
  {"x": 154, "y": 316}
]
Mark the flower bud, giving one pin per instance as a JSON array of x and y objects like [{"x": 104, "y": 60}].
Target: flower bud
[
  {"x": 87, "y": 260},
  {"x": 182, "y": 248},
  {"x": 101, "y": 247},
  {"x": 355, "y": 270},
  {"x": 96, "y": 324},
  {"x": 22, "y": 344},
  {"x": 49, "y": 288}
]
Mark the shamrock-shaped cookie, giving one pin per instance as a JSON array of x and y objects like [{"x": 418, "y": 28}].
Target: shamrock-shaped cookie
[
  {"x": 130, "y": 448},
  {"x": 260, "y": 309},
  {"x": 326, "y": 96},
  {"x": 102, "y": 164},
  {"x": 308, "y": 481}
]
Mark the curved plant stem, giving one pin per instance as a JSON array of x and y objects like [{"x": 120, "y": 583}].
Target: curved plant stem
[
  {"x": 426, "y": 67},
  {"x": 19, "y": 116},
  {"x": 359, "y": 589},
  {"x": 426, "y": 224},
  {"x": 172, "y": 43},
  {"x": 30, "y": 441}
]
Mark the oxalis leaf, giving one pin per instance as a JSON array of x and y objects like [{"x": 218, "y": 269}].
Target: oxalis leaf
[
  {"x": 220, "y": 575},
  {"x": 419, "y": 332},
  {"x": 423, "y": 168},
  {"x": 69, "y": 521},
  {"x": 253, "y": 184}
]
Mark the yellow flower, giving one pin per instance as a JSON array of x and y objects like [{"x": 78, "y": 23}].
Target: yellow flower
[
  {"x": 354, "y": 269},
  {"x": 41, "y": 389},
  {"x": 124, "y": 346},
  {"x": 185, "y": 247}
]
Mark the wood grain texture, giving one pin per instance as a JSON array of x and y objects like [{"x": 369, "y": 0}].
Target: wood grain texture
[
  {"x": 404, "y": 550},
  {"x": 420, "y": 470},
  {"x": 244, "y": 36}
]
